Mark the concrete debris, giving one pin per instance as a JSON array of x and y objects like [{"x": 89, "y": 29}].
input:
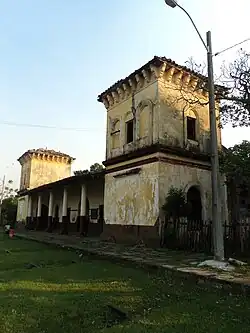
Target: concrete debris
[
  {"x": 221, "y": 265},
  {"x": 236, "y": 262}
]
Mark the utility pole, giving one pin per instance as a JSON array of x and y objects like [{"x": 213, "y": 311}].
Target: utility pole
[
  {"x": 218, "y": 241},
  {"x": 215, "y": 176}
]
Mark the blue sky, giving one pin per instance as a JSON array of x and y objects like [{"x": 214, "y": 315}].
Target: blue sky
[{"x": 58, "y": 55}]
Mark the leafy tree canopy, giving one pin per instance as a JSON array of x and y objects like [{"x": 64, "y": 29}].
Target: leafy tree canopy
[
  {"x": 8, "y": 203},
  {"x": 235, "y": 163},
  {"x": 235, "y": 99},
  {"x": 175, "y": 205},
  {"x": 96, "y": 167}
]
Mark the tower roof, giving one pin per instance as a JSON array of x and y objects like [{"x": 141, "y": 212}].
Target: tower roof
[
  {"x": 44, "y": 152},
  {"x": 153, "y": 68}
]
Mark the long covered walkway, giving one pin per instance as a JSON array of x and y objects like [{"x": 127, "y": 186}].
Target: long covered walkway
[{"x": 71, "y": 205}]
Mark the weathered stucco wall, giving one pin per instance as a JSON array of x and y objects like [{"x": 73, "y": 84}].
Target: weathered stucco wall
[
  {"x": 132, "y": 199},
  {"x": 181, "y": 176},
  {"x": 22, "y": 208},
  {"x": 174, "y": 109},
  {"x": 146, "y": 128},
  {"x": 25, "y": 175},
  {"x": 44, "y": 172}
]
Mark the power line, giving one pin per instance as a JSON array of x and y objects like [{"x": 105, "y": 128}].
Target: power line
[
  {"x": 8, "y": 123},
  {"x": 230, "y": 47}
]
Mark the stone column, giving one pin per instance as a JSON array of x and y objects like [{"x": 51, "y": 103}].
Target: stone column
[
  {"x": 64, "y": 212},
  {"x": 50, "y": 214},
  {"x": 29, "y": 213},
  {"x": 83, "y": 213},
  {"x": 39, "y": 212}
]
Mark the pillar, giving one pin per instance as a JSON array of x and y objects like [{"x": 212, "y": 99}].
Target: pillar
[
  {"x": 50, "y": 214},
  {"x": 83, "y": 213},
  {"x": 29, "y": 213},
  {"x": 64, "y": 212},
  {"x": 39, "y": 212}
]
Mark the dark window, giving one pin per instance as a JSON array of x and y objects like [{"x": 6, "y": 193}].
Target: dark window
[
  {"x": 191, "y": 128},
  {"x": 130, "y": 131},
  {"x": 94, "y": 213}
]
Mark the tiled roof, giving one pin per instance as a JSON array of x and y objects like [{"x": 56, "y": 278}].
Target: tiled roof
[{"x": 157, "y": 61}]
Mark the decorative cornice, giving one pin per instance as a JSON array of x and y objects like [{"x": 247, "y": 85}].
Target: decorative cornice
[
  {"x": 158, "y": 148},
  {"x": 157, "y": 68},
  {"x": 45, "y": 155}
]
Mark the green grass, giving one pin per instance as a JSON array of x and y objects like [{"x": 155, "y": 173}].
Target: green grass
[{"x": 69, "y": 294}]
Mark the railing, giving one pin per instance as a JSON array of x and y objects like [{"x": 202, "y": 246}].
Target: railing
[
  {"x": 196, "y": 236},
  {"x": 188, "y": 235},
  {"x": 237, "y": 239}
]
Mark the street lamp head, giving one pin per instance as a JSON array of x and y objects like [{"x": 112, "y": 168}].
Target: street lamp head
[{"x": 171, "y": 3}]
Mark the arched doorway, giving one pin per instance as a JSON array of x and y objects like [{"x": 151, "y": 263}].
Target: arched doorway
[{"x": 194, "y": 205}]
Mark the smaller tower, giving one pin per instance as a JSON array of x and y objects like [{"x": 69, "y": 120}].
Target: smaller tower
[
  {"x": 40, "y": 167},
  {"x": 43, "y": 166}
]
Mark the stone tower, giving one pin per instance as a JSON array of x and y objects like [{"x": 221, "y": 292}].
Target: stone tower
[
  {"x": 39, "y": 167},
  {"x": 157, "y": 137}
]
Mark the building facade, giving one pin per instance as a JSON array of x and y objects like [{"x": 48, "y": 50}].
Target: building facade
[
  {"x": 157, "y": 137},
  {"x": 73, "y": 204}
]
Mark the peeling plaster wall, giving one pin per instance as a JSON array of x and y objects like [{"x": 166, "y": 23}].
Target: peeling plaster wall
[
  {"x": 173, "y": 101},
  {"x": 44, "y": 172},
  {"x": 146, "y": 129},
  {"x": 132, "y": 199},
  {"x": 181, "y": 176},
  {"x": 25, "y": 175},
  {"x": 95, "y": 193},
  {"x": 22, "y": 209}
]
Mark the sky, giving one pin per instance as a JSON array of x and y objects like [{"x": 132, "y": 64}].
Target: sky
[{"x": 58, "y": 55}]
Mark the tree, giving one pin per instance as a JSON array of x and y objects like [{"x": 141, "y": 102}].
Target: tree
[
  {"x": 9, "y": 210},
  {"x": 235, "y": 164},
  {"x": 236, "y": 102},
  {"x": 7, "y": 191},
  {"x": 175, "y": 205},
  {"x": 8, "y": 203},
  {"x": 233, "y": 89},
  {"x": 96, "y": 167},
  {"x": 81, "y": 172}
]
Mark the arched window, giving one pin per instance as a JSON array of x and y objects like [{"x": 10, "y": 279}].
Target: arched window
[
  {"x": 144, "y": 122},
  {"x": 129, "y": 121},
  {"x": 115, "y": 134},
  {"x": 191, "y": 126}
]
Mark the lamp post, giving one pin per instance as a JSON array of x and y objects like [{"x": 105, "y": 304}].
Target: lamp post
[{"x": 218, "y": 241}]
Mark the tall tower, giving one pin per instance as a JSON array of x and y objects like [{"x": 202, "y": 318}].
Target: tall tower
[
  {"x": 157, "y": 137},
  {"x": 39, "y": 167}
]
